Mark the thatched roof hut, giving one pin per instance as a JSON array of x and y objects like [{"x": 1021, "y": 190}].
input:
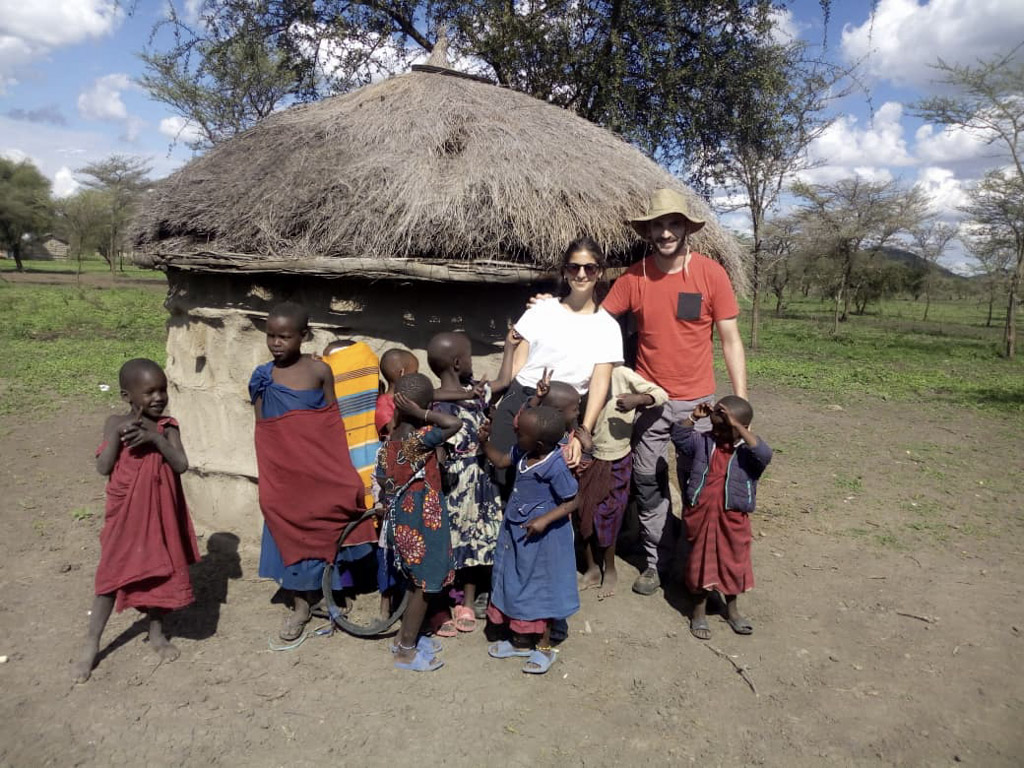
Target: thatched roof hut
[
  {"x": 412, "y": 173},
  {"x": 431, "y": 195}
]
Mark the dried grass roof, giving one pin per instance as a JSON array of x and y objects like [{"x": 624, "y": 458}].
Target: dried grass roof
[{"x": 414, "y": 172}]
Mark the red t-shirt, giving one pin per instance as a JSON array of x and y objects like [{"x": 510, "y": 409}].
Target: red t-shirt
[
  {"x": 384, "y": 411},
  {"x": 675, "y": 354}
]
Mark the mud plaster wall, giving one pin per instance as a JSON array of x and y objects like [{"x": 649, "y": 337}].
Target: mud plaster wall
[{"x": 215, "y": 339}]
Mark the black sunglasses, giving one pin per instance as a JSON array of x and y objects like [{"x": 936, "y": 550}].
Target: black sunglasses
[{"x": 574, "y": 269}]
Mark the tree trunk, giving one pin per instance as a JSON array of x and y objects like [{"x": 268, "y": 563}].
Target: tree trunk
[
  {"x": 778, "y": 303},
  {"x": 1010, "y": 332},
  {"x": 16, "y": 253},
  {"x": 991, "y": 302},
  {"x": 835, "y": 314},
  {"x": 755, "y": 317},
  {"x": 927, "y": 304}
]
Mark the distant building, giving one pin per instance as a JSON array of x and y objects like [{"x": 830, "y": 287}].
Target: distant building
[{"x": 47, "y": 247}]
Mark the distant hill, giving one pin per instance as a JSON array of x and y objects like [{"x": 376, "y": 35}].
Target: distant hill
[{"x": 913, "y": 261}]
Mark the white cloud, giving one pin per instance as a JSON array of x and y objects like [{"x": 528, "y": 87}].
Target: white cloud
[
  {"x": 102, "y": 100},
  {"x": 944, "y": 189},
  {"x": 950, "y": 144},
  {"x": 30, "y": 29},
  {"x": 64, "y": 182},
  {"x": 845, "y": 148},
  {"x": 785, "y": 28},
  {"x": 902, "y": 38},
  {"x": 178, "y": 128}
]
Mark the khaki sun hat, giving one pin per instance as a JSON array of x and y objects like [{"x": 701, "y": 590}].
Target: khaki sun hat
[{"x": 662, "y": 203}]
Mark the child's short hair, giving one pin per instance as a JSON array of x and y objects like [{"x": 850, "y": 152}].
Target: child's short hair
[
  {"x": 550, "y": 424},
  {"x": 740, "y": 408},
  {"x": 293, "y": 311},
  {"x": 132, "y": 369},
  {"x": 394, "y": 360},
  {"x": 417, "y": 388},
  {"x": 561, "y": 394},
  {"x": 442, "y": 349}
]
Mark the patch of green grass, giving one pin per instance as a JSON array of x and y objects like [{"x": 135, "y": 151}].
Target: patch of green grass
[
  {"x": 889, "y": 540},
  {"x": 67, "y": 341},
  {"x": 89, "y": 266},
  {"x": 848, "y": 482},
  {"x": 82, "y": 513},
  {"x": 952, "y": 359}
]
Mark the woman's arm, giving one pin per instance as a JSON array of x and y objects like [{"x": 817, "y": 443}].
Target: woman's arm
[{"x": 600, "y": 381}]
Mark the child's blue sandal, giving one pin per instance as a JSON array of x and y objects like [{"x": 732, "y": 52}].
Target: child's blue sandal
[
  {"x": 505, "y": 650},
  {"x": 540, "y": 662},
  {"x": 427, "y": 645},
  {"x": 421, "y": 662}
]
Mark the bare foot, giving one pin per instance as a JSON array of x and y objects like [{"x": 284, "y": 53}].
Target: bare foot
[
  {"x": 591, "y": 578},
  {"x": 294, "y": 623},
  {"x": 163, "y": 648},
  {"x": 611, "y": 579},
  {"x": 81, "y": 670}
]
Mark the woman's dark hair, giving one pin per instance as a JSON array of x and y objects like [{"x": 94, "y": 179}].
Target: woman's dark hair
[{"x": 589, "y": 245}]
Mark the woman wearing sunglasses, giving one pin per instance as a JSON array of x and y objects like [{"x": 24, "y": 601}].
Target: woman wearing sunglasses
[{"x": 567, "y": 336}]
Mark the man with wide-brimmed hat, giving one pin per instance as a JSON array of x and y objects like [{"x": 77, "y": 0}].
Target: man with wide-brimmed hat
[{"x": 679, "y": 298}]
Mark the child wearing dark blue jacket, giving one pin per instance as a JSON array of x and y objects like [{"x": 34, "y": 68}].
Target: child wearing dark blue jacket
[{"x": 725, "y": 465}]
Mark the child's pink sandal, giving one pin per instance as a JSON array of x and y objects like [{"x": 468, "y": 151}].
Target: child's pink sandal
[{"x": 465, "y": 619}]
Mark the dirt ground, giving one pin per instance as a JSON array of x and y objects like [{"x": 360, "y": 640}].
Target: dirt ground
[{"x": 888, "y": 618}]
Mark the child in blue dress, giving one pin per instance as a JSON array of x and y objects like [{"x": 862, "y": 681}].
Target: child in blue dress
[{"x": 534, "y": 580}]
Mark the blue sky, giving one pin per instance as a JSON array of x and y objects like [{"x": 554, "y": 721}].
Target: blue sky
[{"x": 67, "y": 95}]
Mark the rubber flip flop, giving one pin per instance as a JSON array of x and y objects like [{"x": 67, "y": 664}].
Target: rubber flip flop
[
  {"x": 427, "y": 645},
  {"x": 274, "y": 646},
  {"x": 740, "y": 626},
  {"x": 540, "y": 661},
  {"x": 505, "y": 650},
  {"x": 697, "y": 625},
  {"x": 465, "y": 620},
  {"x": 421, "y": 662}
]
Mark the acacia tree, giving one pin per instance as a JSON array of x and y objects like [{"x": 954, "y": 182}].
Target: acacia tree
[
  {"x": 669, "y": 76},
  {"x": 853, "y": 220},
  {"x": 992, "y": 263},
  {"x": 986, "y": 100},
  {"x": 121, "y": 179},
  {"x": 25, "y": 207},
  {"x": 997, "y": 209},
  {"x": 84, "y": 219},
  {"x": 768, "y": 140},
  {"x": 931, "y": 239}
]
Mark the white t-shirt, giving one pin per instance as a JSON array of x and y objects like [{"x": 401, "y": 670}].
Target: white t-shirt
[{"x": 570, "y": 344}]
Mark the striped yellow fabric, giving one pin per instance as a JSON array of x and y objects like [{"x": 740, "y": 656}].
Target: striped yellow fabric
[{"x": 356, "y": 376}]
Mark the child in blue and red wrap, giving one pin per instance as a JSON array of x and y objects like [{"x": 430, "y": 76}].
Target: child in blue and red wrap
[
  {"x": 147, "y": 542},
  {"x": 309, "y": 489},
  {"x": 724, "y": 466}
]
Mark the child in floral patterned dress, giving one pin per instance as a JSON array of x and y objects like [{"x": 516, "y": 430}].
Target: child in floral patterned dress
[
  {"x": 473, "y": 505},
  {"x": 410, "y": 481}
]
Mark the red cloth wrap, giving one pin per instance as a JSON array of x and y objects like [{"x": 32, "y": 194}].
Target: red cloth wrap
[
  {"x": 309, "y": 490},
  {"x": 719, "y": 538},
  {"x": 147, "y": 542}
]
